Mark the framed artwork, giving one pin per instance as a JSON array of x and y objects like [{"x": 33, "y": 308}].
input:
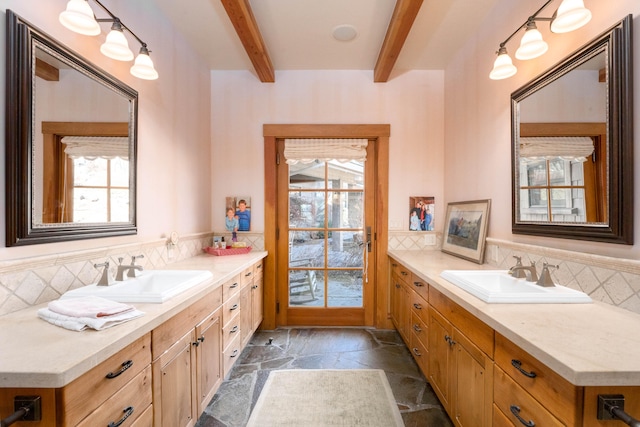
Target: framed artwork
[
  {"x": 421, "y": 213},
  {"x": 466, "y": 228},
  {"x": 242, "y": 207}
]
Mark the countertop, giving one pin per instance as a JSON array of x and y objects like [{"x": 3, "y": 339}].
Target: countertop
[
  {"x": 37, "y": 354},
  {"x": 587, "y": 344}
]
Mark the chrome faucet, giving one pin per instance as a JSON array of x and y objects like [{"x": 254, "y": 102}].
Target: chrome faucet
[
  {"x": 545, "y": 276},
  {"x": 105, "y": 279},
  {"x": 530, "y": 271},
  {"x": 130, "y": 268}
]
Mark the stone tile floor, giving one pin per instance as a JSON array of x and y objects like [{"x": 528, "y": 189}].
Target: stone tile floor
[{"x": 328, "y": 348}]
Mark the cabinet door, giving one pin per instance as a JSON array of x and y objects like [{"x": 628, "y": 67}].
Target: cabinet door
[
  {"x": 174, "y": 385},
  {"x": 472, "y": 384},
  {"x": 257, "y": 310},
  {"x": 208, "y": 358},
  {"x": 245, "y": 315},
  {"x": 440, "y": 354}
]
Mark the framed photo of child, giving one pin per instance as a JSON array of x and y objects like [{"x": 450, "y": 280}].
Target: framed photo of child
[
  {"x": 421, "y": 210},
  {"x": 238, "y": 214}
]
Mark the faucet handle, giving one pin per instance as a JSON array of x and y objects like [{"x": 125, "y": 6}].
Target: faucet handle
[
  {"x": 105, "y": 279},
  {"x": 545, "y": 276},
  {"x": 518, "y": 260},
  {"x": 135, "y": 257}
]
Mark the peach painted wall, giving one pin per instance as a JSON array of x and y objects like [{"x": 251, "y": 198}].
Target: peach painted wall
[
  {"x": 477, "y": 113},
  {"x": 412, "y": 103},
  {"x": 174, "y": 170}
]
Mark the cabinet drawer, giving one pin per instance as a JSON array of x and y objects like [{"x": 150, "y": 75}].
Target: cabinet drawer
[
  {"x": 419, "y": 329},
  {"x": 129, "y": 402},
  {"x": 420, "y": 353},
  {"x": 499, "y": 419},
  {"x": 420, "y": 286},
  {"x": 169, "y": 332},
  {"x": 90, "y": 390},
  {"x": 231, "y": 354},
  {"x": 230, "y": 309},
  {"x": 230, "y": 331},
  {"x": 246, "y": 277},
  {"x": 554, "y": 392},
  {"x": 230, "y": 288},
  {"x": 403, "y": 273},
  {"x": 477, "y": 331},
  {"x": 419, "y": 307},
  {"x": 258, "y": 269},
  {"x": 514, "y": 402}
]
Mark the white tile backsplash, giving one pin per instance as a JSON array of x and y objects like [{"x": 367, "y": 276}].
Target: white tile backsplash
[{"x": 31, "y": 281}]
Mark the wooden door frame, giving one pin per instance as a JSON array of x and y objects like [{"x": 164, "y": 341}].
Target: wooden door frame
[{"x": 378, "y": 132}]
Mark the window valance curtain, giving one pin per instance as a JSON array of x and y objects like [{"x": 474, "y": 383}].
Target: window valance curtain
[
  {"x": 324, "y": 149},
  {"x": 576, "y": 148},
  {"x": 93, "y": 147}
]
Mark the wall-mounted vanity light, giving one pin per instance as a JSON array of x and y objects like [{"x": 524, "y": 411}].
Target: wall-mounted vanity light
[
  {"x": 570, "y": 16},
  {"x": 79, "y": 17}
]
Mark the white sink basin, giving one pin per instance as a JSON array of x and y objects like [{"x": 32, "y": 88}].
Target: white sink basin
[
  {"x": 152, "y": 286},
  {"x": 497, "y": 286}
]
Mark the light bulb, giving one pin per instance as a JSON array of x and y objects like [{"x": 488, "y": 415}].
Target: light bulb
[
  {"x": 78, "y": 17},
  {"x": 143, "y": 66},
  {"x": 503, "y": 67},
  {"x": 570, "y": 16},
  {"x": 531, "y": 45}
]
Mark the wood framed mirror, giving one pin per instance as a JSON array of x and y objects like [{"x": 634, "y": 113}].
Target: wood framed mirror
[
  {"x": 572, "y": 145},
  {"x": 70, "y": 143}
]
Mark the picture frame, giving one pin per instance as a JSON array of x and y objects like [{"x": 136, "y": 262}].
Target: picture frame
[
  {"x": 465, "y": 229},
  {"x": 421, "y": 213}
]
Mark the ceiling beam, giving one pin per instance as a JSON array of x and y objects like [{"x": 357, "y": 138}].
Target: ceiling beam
[
  {"x": 244, "y": 22},
  {"x": 402, "y": 19}
]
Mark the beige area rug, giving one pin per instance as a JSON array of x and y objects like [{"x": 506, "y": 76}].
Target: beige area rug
[{"x": 326, "y": 397}]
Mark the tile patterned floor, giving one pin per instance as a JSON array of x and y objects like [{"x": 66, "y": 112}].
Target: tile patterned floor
[{"x": 329, "y": 348}]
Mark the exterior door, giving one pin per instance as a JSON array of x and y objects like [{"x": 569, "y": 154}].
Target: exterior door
[{"x": 326, "y": 216}]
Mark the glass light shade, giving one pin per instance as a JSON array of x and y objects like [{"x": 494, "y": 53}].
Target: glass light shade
[
  {"x": 116, "y": 46},
  {"x": 503, "y": 67},
  {"x": 143, "y": 67},
  {"x": 78, "y": 17},
  {"x": 531, "y": 45},
  {"x": 570, "y": 16}
]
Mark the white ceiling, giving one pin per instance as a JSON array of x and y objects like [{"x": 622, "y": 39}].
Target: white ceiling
[{"x": 297, "y": 33}]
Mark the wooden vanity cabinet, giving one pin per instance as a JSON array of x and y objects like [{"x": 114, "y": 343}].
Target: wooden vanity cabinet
[
  {"x": 399, "y": 296},
  {"x": 187, "y": 367},
  {"x": 460, "y": 361}
]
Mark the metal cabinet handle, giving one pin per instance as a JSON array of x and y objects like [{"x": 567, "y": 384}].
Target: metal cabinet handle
[
  {"x": 235, "y": 285},
  {"x": 417, "y": 306},
  {"x": 417, "y": 328},
  {"x": 450, "y": 340},
  {"x": 416, "y": 351},
  {"x": 234, "y": 330},
  {"x": 233, "y": 307},
  {"x": 418, "y": 284},
  {"x": 398, "y": 285},
  {"x": 518, "y": 365},
  {"x": 248, "y": 274},
  {"x": 127, "y": 413},
  {"x": 235, "y": 353},
  {"x": 404, "y": 273},
  {"x": 515, "y": 410},
  {"x": 125, "y": 365}
]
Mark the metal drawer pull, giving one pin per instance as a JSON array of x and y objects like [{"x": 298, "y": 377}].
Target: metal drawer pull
[
  {"x": 417, "y": 306},
  {"x": 127, "y": 413},
  {"x": 418, "y": 284},
  {"x": 233, "y": 307},
  {"x": 125, "y": 365},
  {"x": 404, "y": 273},
  {"x": 417, "y": 328},
  {"x": 235, "y": 285},
  {"x": 518, "y": 365},
  {"x": 248, "y": 274},
  {"x": 416, "y": 351},
  {"x": 515, "y": 410},
  {"x": 450, "y": 340},
  {"x": 235, "y": 353},
  {"x": 397, "y": 286},
  {"x": 234, "y": 330}
]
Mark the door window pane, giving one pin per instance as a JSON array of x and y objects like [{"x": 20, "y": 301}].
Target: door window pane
[{"x": 306, "y": 209}]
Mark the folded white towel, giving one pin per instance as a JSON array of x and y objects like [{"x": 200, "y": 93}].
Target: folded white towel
[
  {"x": 88, "y": 306},
  {"x": 82, "y": 323}
]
